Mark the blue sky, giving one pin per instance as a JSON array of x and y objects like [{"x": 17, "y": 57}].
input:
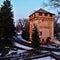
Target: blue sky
[{"x": 23, "y": 8}]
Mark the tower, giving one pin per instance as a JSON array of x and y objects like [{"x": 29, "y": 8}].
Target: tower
[{"x": 44, "y": 21}]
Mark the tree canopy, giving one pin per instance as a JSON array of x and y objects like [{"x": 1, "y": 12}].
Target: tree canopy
[
  {"x": 53, "y": 3},
  {"x": 7, "y": 28},
  {"x": 35, "y": 38}
]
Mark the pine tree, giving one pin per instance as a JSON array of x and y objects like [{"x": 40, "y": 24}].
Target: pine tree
[
  {"x": 35, "y": 38},
  {"x": 7, "y": 29},
  {"x": 6, "y": 20}
]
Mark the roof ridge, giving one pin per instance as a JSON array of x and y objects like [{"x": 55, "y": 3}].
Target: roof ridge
[{"x": 43, "y": 11}]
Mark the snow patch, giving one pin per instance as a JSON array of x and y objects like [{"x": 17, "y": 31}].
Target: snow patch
[{"x": 22, "y": 46}]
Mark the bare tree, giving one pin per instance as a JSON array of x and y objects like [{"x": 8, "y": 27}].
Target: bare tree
[
  {"x": 23, "y": 25},
  {"x": 52, "y": 3},
  {"x": 19, "y": 25},
  {"x": 56, "y": 24}
]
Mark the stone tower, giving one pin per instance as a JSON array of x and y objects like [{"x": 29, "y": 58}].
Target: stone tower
[{"x": 44, "y": 21}]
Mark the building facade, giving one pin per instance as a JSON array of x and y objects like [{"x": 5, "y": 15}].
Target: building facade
[{"x": 44, "y": 22}]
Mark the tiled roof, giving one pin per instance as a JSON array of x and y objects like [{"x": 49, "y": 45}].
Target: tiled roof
[{"x": 43, "y": 11}]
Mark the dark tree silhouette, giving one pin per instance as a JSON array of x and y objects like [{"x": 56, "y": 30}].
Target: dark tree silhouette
[
  {"x": 48, "y": 40},
  {"x": 25, "y": 34},
  {"x": 35, "y": 38},
  {"x": 25, "y": 31},
  {"x": 7, "y": 29}
]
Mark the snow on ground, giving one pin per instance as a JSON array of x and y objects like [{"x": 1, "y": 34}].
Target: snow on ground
[
  {"x": 45, "y": 58},
  {"x": 20, "y": 37},
  {"x": 57, "y": 53},
  {"x": 57, "y": 42},
  {"x": 22, "y": 46}
]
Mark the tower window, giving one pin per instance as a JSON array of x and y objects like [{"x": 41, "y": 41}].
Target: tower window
[
  {"x": 46, "y": 14},
  {"x": 40, "y": 14},
  {"x": 34, "y": 14},
  {"x": 51, "y": 15}
]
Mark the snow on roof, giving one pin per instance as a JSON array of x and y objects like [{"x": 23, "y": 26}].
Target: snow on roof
[{"x": 42, "y": 11}]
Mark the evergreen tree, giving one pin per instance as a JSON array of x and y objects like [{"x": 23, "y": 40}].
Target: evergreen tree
[
  {"x": 7, "y": 29},
  {"x": 6, "y": 20},
  {"x": 35, "y": 38},
  {"x": 25, "y": 32}
]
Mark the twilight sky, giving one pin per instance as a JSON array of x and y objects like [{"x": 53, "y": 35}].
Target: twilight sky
[{"x": 23, "y": 8}]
